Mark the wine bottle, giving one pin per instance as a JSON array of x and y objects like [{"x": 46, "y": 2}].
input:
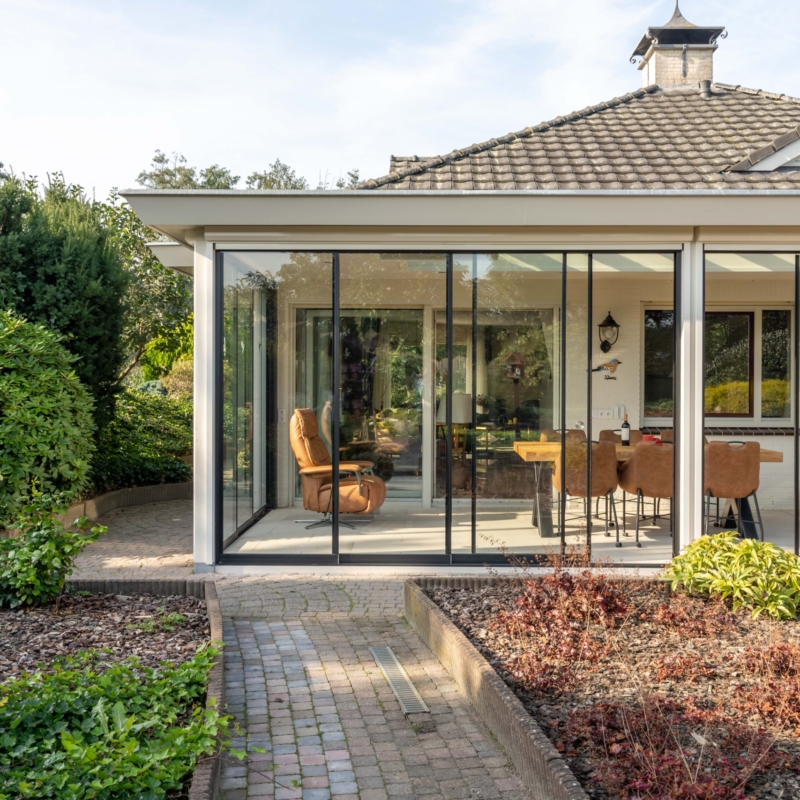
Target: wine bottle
[{"x": 626, "y": 431}]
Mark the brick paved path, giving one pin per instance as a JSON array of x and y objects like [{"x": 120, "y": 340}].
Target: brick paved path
[
  {"x": 302, "y": 683},
  {"x": 150, "y": 541},
  {"x": 309, "y": 692}
]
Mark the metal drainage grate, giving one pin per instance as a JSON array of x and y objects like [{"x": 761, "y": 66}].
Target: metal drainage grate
[{"x": 409, "y": 698}]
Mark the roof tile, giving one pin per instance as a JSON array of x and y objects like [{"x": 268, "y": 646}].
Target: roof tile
[{"x": 650, "y": 138}]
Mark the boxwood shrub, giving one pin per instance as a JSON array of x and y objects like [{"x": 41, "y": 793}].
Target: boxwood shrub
[{"x": 46, "y": 421}]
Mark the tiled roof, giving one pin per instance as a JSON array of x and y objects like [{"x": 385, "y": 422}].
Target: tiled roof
[{"x": 652, "y": 138}]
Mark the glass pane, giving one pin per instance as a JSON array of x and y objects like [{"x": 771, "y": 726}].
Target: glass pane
[
  {"x": 749, "y": 460},
  {"x": 659, "y": 334},
  {"x": 276, "y": 347},
  {"x": 634, "y": 377},
  {"x": 508, "y": 346},
  {"x": 776, "y": 359},
  {"x": 729, "y": 364},
  {"x": 388, "y": 305}
]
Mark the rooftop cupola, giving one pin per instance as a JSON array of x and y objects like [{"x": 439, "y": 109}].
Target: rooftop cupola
[{"x": 677, "y": 53}]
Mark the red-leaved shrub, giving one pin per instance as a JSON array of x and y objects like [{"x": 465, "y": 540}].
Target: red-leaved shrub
[
  {"x": 664, "y": 750},
  {"x": 694, "y": 617},
  {"x": 553, "y": 619}
]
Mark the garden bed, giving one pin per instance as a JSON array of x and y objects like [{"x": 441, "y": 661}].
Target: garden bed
[
  {"x": 153, "y": 629},
  {"x": 644, "y": 693},
  {"x": 112, "y": 691}
]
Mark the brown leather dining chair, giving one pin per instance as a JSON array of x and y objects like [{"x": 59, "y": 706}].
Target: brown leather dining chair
[
  {"x": 732, "y": 470},
  {"x": 648, "y": 473},
  {"x": 358, "y": 494},
  {"x": 604, "y": 473}
]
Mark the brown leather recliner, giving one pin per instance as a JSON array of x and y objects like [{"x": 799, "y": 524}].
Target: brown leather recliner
[
  {"x": 649, "y": 473},
  {"x": 360, "y": 494}
]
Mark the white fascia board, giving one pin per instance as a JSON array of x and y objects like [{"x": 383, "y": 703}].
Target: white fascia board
[
  {"x": 175, "y": 212},
  {"x": 779, "y": 159},
  {"x": 174, "y": 256}
]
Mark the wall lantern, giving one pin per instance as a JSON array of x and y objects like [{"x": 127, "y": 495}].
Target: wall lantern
[{"x": 609, "y": 332}]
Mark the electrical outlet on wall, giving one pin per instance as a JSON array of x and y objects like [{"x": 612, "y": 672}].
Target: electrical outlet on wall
[{"x": 281, "y": 416}]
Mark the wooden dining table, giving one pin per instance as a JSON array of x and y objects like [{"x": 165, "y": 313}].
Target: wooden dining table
[
  {"x": 541, "y": 453},
  {"x": 549, "y": 451}
]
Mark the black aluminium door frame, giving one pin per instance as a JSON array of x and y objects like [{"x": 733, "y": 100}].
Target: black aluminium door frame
[{"x": 412, "y": 559}]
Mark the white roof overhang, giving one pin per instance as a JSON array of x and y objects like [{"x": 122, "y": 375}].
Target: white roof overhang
[{"x": 251, "y": 215}]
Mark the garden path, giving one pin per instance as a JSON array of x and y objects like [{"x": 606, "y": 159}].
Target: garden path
[{"x": 303, "y": 685}]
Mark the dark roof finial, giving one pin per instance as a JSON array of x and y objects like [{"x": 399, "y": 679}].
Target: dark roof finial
[{"x": 677, "y": 31}]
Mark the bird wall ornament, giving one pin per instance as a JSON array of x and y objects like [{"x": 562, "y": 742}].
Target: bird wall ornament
[{"x": 610, "y": 367}]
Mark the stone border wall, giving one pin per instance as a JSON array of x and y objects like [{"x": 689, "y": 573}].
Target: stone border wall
[
  {"x": 540, "y": 766},
  {"x": 122, "y": 498},
  {"x": 205, "y": 781}
]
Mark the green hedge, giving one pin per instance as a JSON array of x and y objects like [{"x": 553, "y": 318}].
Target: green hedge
[
  {"x": 121, "y": 732},
  {"x": 734, "y": 398},
  {"x": 140, "y": 447},
  {"x": 45, "y": 418}
]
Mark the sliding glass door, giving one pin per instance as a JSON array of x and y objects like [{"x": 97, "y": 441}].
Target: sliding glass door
[{"x": 433, "y": 407}]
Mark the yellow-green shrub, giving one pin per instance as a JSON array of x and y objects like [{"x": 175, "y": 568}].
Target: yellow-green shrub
[{"x": 757, "y": 575}]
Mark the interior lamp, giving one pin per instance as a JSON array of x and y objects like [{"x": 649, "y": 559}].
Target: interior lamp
[{"x": 608, "y": 331}]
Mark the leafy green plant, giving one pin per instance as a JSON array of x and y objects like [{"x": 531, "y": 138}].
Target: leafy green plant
[
  {"x": 45, "y": 417},
  {"x": 140, "y": 447},
  {"x": 756, "y": 575},
  {"x": 34, "y": 566},
  {"x": 164, "y": 622},
  {"x": 150, "y": 424},
  {"x": 87, "y": 730}
]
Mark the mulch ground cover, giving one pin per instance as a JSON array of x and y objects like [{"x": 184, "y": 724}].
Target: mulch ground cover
[
  {"x": 154, "y": 629},
  {"x": 648, "y": 694}
]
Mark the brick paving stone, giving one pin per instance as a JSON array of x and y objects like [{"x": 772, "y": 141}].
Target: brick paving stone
[
  {"x": 315, "y": 673},
  {"x": 303, "y": 685}
]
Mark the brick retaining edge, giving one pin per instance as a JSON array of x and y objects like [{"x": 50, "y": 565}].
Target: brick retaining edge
[
  {"x": 540, "y": 766},
  {"x": 205, "y": 781},
  {"x": 121, "y": 498}
]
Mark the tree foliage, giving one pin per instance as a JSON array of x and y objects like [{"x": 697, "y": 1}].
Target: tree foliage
[
  {"x": 158, "y": 300},
  {"x": 278, "y": 176},
  {"x": 172, "y": 172},
  {"x": 61, "y": 266},
  {"x": 45, "y": 418}
]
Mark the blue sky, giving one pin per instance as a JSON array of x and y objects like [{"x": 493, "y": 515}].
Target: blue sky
[{"x": 93, "y": 87}]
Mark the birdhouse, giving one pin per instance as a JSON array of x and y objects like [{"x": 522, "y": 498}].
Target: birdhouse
[{"x": 515, "y": 365}]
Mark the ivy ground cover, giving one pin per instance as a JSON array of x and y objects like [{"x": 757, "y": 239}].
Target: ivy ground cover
[
  {"x": 104, "y": 697},
  {"x": 648, "y": 694}
]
